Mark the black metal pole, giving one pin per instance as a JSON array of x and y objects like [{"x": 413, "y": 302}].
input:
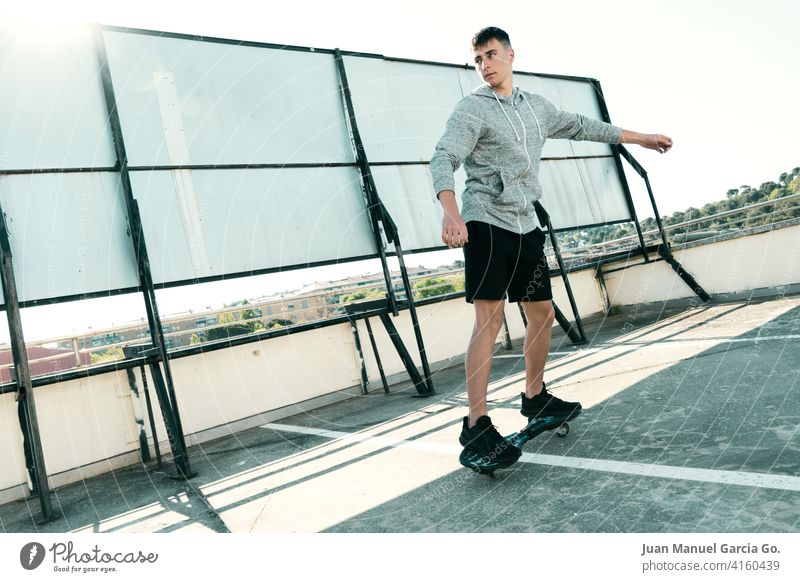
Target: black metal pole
[
  {"x": 377, "y": 356},
  {"x": 24, "y": 396},
  {"x": 637, "y": 167},
  {"x": 412, "y": 309},
  {"x": 411, "y": 368},
  {"x": 150, "y": 416},
  {"x": 664, "y": 250},
  {"x": 169, "y": 405},
  {"x": 360, "y": 352},
  {"x": 618, "y": 163},
  {"x": 544, "y": 218},
  {"x": 507, "y": 335},
  {"x": 380, "y": 215},
  {"x": 139, "y": 421},
  {"x": 363, "y": 167}
]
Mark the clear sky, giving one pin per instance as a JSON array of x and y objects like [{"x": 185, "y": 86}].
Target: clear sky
[{"x": 721, "y": 78}]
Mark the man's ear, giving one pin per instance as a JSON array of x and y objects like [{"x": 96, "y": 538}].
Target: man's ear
[{"x": 510, "y": 55}]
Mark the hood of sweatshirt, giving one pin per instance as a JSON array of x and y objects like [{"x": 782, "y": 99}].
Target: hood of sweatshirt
[{"x": 516, "y": 99}]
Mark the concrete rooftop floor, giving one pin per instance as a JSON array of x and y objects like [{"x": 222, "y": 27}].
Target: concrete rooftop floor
[{"x": 690, "y": 424}]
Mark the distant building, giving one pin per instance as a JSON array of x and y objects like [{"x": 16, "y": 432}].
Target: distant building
[{"x": 57, "y": 360}]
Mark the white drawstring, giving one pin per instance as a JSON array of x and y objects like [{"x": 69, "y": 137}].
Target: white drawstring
[
  {"x": 534, "y": 116},
  {"x": 524, "y": 141},
  {"x": 524, "y": 144},
  {"x": 527, "y": 155},
  {"x": 506, "y": 114}
]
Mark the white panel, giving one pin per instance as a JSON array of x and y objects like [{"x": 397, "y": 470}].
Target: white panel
[
  {"x": 573, "y": 96},
  {"x": 238, "y": 104},
  {"x": 581, "y": 192},
  {"x": 401, "y": 108},
  {"x": 576, "y": 191},
  {"x": 407, "y": 192},
  {"x": 255, "y": 219},
  {"x": 69, "y": 234},
  {"x": 52, "y": 110},
  {"x": 469, "y": 79}
]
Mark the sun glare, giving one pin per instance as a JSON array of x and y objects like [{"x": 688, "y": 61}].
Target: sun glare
[{"x": 53, "y": 29}]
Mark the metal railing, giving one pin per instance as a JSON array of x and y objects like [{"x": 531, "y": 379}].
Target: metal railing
[
  {"x": 574, "y": 256},
  {"x": 321, "y": 306}
]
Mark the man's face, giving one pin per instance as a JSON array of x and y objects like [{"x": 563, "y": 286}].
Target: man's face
[{"x": 493, "y": 62}]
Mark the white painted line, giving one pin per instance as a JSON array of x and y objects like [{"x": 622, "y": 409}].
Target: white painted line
[
  {"x": 763, "y": 480},
  {"x": 722, "y": 340},
  {"x": 667, "y": 343},
  {"x": 348, "y": 437},
  {"x": 592, "y": 350}
]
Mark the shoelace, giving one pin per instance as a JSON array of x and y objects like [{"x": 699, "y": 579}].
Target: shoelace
[{"x": 492, "y": 432}]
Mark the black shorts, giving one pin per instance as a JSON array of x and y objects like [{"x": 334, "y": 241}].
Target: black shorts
[{"x": 498, "y": 262}]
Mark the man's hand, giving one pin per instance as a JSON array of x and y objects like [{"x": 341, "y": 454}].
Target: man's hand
[
  {"x": 454, "y": 230},
  {"x": 652, "y": 141}
]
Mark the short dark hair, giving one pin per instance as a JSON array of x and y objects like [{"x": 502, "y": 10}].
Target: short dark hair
[{"x": 483, "y": 36}]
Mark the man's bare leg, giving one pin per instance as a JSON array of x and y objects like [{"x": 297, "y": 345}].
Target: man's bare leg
[
  {"x": 488, "y": 320},
  {"x": 540, "y": 316}
]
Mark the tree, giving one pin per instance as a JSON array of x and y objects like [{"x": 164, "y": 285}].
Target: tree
[
  {"x": 432, "y": 287},
  {"x": 109, "y": 355},
  {"x": 228, "y": 331},
  {"x": 353, "y": 297}
]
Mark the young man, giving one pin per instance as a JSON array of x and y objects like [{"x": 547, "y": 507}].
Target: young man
[{"x": 498, "y": 132}]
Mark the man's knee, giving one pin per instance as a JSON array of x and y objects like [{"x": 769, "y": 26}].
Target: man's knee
[
  {"x": 489, "y": 315},
  {"x": 541, "y": 311}
]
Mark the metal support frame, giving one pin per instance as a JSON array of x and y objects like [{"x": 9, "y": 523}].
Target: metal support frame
[
  {"x": 380, "y": 217},
  {"x": 664, "y": 249},
  {"x": 132, "y": 352},
  {"x": 625, "y": 188},
  {"x": 143, "y": 446},
  {"x": 360, "y": 353},
  {"x": 26, "y": 404},
  {"x": 419, "y": 383},
  {"x": 380, "y": 308},
  {"x": 573, "y": 331},
  {"x": 364, "y": 172},
  {"x": 150, "y": 417},
  {"x": 601, "y": 280},
  {"x": 165, "y": 390},
  {"x": 377, "y": 356},
  {"x": 506, "y": 334}
]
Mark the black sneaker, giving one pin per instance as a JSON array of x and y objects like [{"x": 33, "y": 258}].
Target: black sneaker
[
  {"x": 484, "y": 440},
  {"x": 545, "y": 404}
]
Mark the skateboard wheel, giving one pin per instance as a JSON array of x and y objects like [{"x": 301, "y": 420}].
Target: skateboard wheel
[{"x": 563, "y": 430}]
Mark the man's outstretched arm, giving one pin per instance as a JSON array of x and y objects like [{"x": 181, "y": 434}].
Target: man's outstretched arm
[{"x": 651, "y": 141}]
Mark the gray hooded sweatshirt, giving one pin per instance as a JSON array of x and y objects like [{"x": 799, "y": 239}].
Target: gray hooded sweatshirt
[{"x": 499, "y": 140}]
